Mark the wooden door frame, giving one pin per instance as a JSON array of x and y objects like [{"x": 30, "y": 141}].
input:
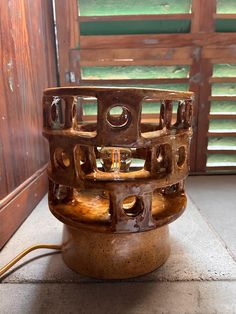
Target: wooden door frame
[{"x": 18, "y": 202}]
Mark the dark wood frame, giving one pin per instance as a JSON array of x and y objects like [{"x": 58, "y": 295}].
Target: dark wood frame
[{"x": 15, "y": 208}]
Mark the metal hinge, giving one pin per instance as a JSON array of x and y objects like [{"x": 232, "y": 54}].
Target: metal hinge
[{"x": 70, "y": 77}]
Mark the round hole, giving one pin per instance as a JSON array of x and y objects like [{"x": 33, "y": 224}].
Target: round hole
[
  {"x": 118, "y": 116},
  {"x": 181, "y": 156},
  {"x": 132, "y": 206},
  {"x": 61, "y": 159},
  {"x": 61, "y": 192}
]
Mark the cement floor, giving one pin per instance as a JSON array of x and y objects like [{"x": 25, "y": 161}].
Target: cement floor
[{"x": 199, "y": 276}]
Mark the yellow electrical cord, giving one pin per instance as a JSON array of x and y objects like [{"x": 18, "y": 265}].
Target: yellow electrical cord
[{"x": 25, "y": 252}]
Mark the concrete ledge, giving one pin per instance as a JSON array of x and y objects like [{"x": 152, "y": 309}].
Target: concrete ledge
[
  {"x": 116, "y": 298},
  {"x": 197, "y": 253}
]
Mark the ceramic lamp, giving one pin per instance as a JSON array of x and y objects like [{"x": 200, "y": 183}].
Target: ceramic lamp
[{"x": 117, "y": 183}]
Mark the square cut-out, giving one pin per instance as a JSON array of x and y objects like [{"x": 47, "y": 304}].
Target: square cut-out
[
  {"x": 85, "y": 116},
  {"x": 57, "y": 113},
  {"x": 85, "y": 159},
  {"x": 150, "y": 117},
  {"x": 157, "y": 115},
  {"x": 164, "y": 159},
  {"x": 120, "y": 159}
]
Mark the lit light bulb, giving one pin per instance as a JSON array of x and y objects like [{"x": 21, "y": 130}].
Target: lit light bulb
[{"x": 115, "y": 159}]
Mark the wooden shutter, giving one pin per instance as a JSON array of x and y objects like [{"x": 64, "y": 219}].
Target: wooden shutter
[
  {"x": 217, "y": 107},
  {"x": 159, "y": 44}
]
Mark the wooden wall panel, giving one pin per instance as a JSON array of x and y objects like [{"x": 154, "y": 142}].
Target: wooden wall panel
[{"x": 27, "y": 66}]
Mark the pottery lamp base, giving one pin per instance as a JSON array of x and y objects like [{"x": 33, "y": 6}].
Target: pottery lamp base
[{"x": 112, "y": 255}]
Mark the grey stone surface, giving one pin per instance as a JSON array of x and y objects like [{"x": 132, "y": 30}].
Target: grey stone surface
[
  {"x": 215, "y": 197},
  {"x": 119, "y": 298},
  {"x": 197, "y": 253}
]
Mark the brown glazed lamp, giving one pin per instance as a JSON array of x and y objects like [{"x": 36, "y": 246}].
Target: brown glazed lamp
[{"x": 117, "y": 183}]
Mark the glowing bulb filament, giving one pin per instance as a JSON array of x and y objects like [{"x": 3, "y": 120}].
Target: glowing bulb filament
[{"x": 115, "y": 159}]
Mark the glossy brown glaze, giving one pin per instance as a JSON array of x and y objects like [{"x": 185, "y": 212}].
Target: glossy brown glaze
[
  {"x": 90, "y": 209},
  {"x": 118, "y": 177}
]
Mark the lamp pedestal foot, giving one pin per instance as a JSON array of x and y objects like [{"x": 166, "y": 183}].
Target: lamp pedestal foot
[{"x": 113, "y": 255}]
